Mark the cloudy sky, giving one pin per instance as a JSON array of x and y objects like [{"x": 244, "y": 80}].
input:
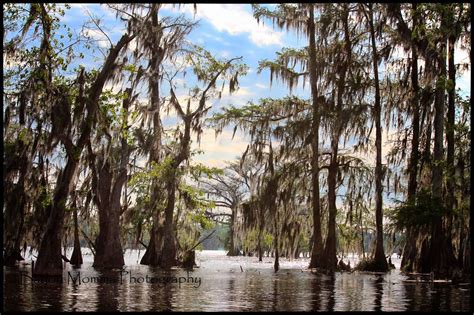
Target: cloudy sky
[{"x": 226, "y": 30}]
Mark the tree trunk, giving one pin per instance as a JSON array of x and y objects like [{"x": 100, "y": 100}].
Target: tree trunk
[
  {"x": 409, "y": 250},
  {"x": 76, "y": 257},
  {"x": 109, "y": 252},
  {"x": 259, "y": 242},
  {"x": 49, "y": 261},
  {"x": 14, "y": 218},
  {"x": 450, "y": 126},
  {"x": 233, "y": 250},
  {"x": 153, "y": 252},
  {"x": 441, "y": 254},
  {"x": 330, "y": 259},
  {"x": 15, "y": 200},
  {"x": 437, "y": 170},
  {"x": 108, "y": 247},
  {"x": 415, "y": 140},
  {"x": 169, "y": 241},
  {"x": 49, "y": 256},
  {"x": 276, "y": 265},
  {"x": 317, "y": 247},
  {"x": 379, "y": 259},
  {"x": 467, "y": 255}
]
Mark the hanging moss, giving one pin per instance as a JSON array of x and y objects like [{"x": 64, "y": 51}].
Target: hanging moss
[{"x": 419, "y": 211}]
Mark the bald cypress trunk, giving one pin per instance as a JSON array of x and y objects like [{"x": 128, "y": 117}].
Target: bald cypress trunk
[
  {"x": 14, "y": 212},
  {"x": 108, "y": 247},
  {"x": 232, "y": 250},
  {"x": 49, "y": 261},
  {"x": 109, "y": 252},
  {"x": 169, "y": 240},
  {"x": 76, "y": 257},
  {"x": 409, "y": 250},
  {"x": 317, "y": 247},
  {"x": 450, "y": 200},
  {"x": 415, "y": 140},
  {"x": 379, "y": 258},
  {"x": 330, "y": 260},
  {"x": 441, "y": 252},
  {"x": 153, "y": 253}
]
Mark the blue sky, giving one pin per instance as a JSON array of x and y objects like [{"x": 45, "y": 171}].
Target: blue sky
[{"x": 226, "y": 30}]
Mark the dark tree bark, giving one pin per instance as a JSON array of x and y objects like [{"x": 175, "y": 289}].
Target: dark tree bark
[
  {"x": 49, "y": 261},
  {"x": 415, "y": 140},
  {"x": 13, "y": 230},
  {"x": 190, "y": 118},
  {"x": 233, "y": 249},
  {"x": 108, "y": 247},
  {"x": 450, "y": 123},
  {"x": 330, "y": 259},
  {"x": 317, "y": 247},
  {"x": 153, "y": 252},
  {"x": 15, "y": 204},
  {"x": 259, "y": 237},
  {"x": 379, "y": 258},
  {"x": 16, "y": 199},
  {"x": 169, "y": 239},
  {"x": 330, "y": 255},
  {"x": 441, "y": 253},
  {"x": 409, "y": 250},
  {"x": 49, "y": 256},
  {"x": 76, "y": 257},
  {"x": 276, "y": 264},
  {"x": 109, "y": 252}
]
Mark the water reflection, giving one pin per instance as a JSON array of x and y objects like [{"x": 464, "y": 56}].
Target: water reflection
[
  {"x": 14, "y": 280},
  {"x": 160, "y": 295},
  {"x": 224, "y": 287},
  {"x": 74, "y": 297},
  {"x": 378, "y": 293},
  {"x": 108, "y": 291},
  {"x": 316, "y": 294}
]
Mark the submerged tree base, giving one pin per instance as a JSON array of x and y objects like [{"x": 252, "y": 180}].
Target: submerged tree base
[
  {"x": 11, "y": 258},
  {"x": 372, "y": 265},
  {"x": 189, "y": 260},
  {"x": 234, "y": 252}
]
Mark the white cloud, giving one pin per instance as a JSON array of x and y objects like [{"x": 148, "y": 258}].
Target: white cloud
[
  {"x": 84, "y": 5},
  {"x": 215, "y": 38},
  {"x": 98, "y": 36},
  {"x": 235, "y": 19},
  {"x": 216, "y": 151},
  {"x": 388, "y": 136},
  {"x": 239, "y": 97},
  {"x": 242, "y": 91}
]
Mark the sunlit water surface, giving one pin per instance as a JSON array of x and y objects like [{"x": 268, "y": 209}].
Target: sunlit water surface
[{"x": 226, "y": 284}]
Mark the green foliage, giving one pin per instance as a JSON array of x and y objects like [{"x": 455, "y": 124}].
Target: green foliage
[
  {"x": 420, "y": 211},
  {"x": 206, "y": 67},
  {"x": 46, "y": 197},
  {"x": 25, "y": 135},
  {"x": 157, "y": 171},
  {"x": 199, "y": 170},
  {"x": 267, "y": 240}
]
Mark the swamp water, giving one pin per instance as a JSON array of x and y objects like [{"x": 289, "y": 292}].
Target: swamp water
[{"x": 224, "y": 283}]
